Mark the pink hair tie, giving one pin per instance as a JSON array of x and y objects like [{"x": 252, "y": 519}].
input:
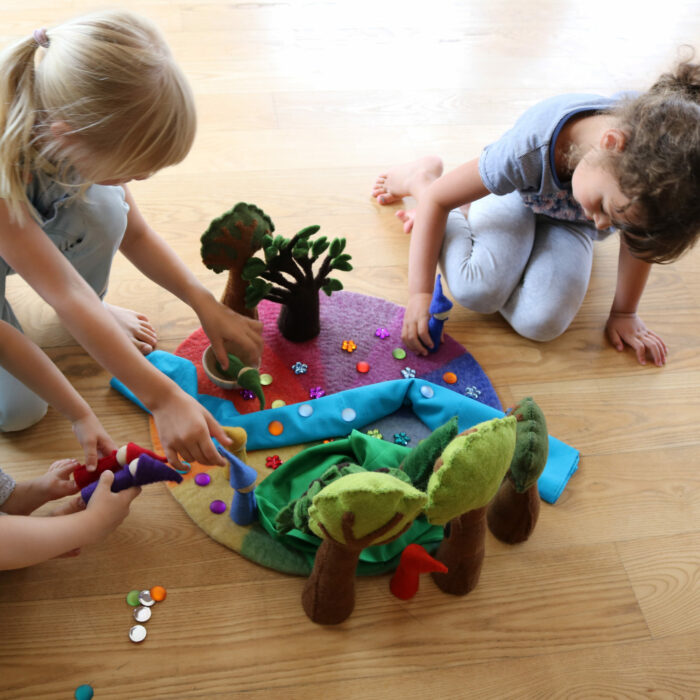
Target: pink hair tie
[{"x": 41, "y": 38}]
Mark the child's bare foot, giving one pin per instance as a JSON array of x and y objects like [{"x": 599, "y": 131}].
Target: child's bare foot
[
  {"x": 408, "y": 216},
  {"x": 137, "y": 327},
  {"x": 409, "y": 179}
]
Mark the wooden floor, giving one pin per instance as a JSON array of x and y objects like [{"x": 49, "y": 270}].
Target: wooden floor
[{"x": 301, "y": 104}]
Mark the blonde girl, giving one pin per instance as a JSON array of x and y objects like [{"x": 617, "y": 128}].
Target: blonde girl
[{"x": 85, "y": 107}]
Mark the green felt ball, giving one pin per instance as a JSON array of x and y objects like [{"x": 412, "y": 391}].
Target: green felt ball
[
  {"x": 374, "y": 499},
  {"x": 473, "y": 467}
]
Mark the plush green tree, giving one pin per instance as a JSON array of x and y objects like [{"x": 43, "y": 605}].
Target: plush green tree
[
  {"x": 228, "y": 244},
  {"x": 286, "y": 275}
]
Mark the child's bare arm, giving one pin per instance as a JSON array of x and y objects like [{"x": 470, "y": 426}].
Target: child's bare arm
[
  {"x": 227, "y": 330},
  {"x": 27, "y": 540},
  {"x": 28, "y": 363},
  {"x": 456, "y": 188},
  {"x": 623, "y": 326},
  {"x": 29, "y": 495},
  {"x": 183, "y": 424}
]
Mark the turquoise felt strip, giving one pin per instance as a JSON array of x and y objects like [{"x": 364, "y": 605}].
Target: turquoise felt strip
[{"x": 432, "y": 404}]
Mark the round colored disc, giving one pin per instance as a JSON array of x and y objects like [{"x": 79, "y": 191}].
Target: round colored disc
[
  {"x": 266, "y": 379},
  {"x": 398, "y": 353},
  {"x": 278, "y": 403},
  {"x": 202, "y": 479},
  {"x": 158, "y": 593},
  {"x": 217, "y": 507},
  {"x": 275, "y": 428},
  {"x": 84, "y": 692},
  {"x": 132, "y": 598},
  {"x": 450, "y": 377},
  {"x": 363, "y": 367}
]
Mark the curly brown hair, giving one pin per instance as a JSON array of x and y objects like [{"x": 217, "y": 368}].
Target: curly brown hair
[{"x": 659, "y": 167}]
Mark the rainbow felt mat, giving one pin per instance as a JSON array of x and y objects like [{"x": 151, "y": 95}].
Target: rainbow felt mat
[{"x": 325, "y": 396}]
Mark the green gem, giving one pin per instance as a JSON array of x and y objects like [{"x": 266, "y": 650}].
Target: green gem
[
  {"x": 398, "y": 353},
  {"x": 266, "y": 379},
  {"x": 132, "y": 598}
]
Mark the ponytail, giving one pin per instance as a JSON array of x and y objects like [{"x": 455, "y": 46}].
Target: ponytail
[{"x": 17, "y": 118}]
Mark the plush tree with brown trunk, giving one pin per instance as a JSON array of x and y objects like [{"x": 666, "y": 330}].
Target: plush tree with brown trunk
[
  {"x": 466, "y": 478},
  {"x": 513, "y": 513},
  {"x": 228, "y": 244},
  {"x": 351, "y": 513}
]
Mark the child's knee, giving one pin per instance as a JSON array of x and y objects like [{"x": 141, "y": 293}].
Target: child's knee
[
  {"x": 480, "y": 295},
  {"x": 23, "y": 413},
  {"x": 541, "y": 327}
]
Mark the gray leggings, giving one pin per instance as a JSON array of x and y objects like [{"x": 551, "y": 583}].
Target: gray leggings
[
  {"x": 532, "y": 269},
  {"x": 88, "y": 232}
]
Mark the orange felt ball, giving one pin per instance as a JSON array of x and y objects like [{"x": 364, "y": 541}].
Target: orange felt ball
[{"x": 158, "y": 593}]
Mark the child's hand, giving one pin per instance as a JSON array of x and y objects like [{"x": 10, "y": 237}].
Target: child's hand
[
  {"x": 628, "y": 329},
  {"x": 185, "y": 427},
  {"x": 107, "y": 509},
  {"x": 230, "y": 332},
  {"x": 93, "y": 438},
  {"x": 57, "y": 482},
  {"x": 415, "y": 332}
]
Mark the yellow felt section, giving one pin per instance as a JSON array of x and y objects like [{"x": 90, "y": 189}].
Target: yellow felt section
[{"x": 196, "y": 499}]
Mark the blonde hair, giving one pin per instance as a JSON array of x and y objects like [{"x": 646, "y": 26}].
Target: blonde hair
[{"x": 111, "y": 80}]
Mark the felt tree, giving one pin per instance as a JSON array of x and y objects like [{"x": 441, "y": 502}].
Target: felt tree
[
  {"x": 513, "y": 513},
  {"x": 351, "y": 513},
  {"x": 228, "y": 243},
  {"x": 286, "y": 275},
  {"x": 468, "y": 475}
]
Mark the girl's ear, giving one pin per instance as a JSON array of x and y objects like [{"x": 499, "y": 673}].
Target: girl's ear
[
  {"x": 613, "y": 140},
  {"x": 60, "y": 131}
]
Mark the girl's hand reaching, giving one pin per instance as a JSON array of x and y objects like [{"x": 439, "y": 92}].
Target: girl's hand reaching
[
  {"x": 93, "y": 438},
  {"x": 231, "y": 332},
  {"x": 415, "y": 332},
  {"x": 628, "y": 329},
  {"x": 186, "y": 428}
]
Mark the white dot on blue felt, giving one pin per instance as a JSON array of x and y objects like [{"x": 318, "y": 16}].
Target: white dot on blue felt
[
  {"x": 348, "y": 414},
  {"x": 305, "y": 410},
  {"x": 427, "y": 391}
]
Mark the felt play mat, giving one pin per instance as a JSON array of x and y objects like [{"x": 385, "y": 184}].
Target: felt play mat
[{"x": 351, "y": 394}]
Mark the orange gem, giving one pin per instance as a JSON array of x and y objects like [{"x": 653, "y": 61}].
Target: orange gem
[
  {"x": 450, "y": 377},
  {"x": 158, "y": 593},
  {"x": 275, "y": 428}
]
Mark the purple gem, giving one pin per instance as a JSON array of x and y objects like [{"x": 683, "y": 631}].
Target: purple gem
[
  {"x": 218, "y": 507},
  {"x": 247, "y": 394},
  {"x": 202, "y": 479},
  {"x": 316, "y": 392}
]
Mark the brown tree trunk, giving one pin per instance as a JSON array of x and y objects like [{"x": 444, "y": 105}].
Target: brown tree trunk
[
  {"x": 512, "y": 516},
  {"x": 462, "y": 552},
  {"x": 234, "y": 294},
  {"x": 329, "y": 594}
]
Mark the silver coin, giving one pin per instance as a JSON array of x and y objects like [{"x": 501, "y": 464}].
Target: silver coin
[
  {"x": 137, "y": 633},
  {"x": 142, "y": 613},
  {"x": 145, "y": 598}
]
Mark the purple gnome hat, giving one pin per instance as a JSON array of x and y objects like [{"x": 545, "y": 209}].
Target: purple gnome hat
[
  {"x": 143, "y": 470},
  {"x": 440, "y": 306}
]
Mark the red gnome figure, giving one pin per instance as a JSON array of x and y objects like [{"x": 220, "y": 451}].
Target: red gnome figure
[{"x": 414, "y": 561}]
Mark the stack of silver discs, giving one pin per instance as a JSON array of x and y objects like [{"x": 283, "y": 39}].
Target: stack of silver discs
[{"x": 142, "y": 613}]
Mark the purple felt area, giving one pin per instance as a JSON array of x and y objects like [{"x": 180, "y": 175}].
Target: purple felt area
[{"x": 345, "y": 316}]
